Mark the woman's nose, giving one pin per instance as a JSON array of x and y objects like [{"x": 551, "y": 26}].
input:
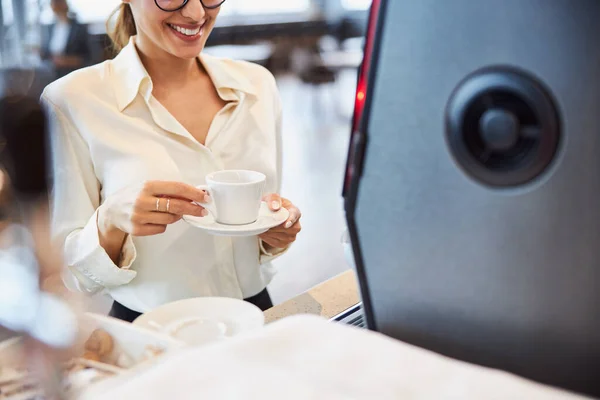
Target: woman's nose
[{"x": 194, "y": 10}]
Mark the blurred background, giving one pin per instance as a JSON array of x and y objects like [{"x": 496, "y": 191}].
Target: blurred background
[{"x": 313, "y": 47}]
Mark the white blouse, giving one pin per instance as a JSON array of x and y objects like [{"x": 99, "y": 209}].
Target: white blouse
[{"x": 109, "y": 132}]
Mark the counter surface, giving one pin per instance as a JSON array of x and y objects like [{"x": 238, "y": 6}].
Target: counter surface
[{"x": 327, "y": 299}]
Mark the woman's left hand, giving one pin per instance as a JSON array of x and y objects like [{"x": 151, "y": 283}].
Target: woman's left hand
[{"x": 285, "y": 234}]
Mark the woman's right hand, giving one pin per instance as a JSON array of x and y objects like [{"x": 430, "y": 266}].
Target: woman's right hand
[{"x": 150, "y": 209}]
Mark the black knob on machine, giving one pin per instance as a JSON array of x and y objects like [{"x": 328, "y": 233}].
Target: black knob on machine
[
  {"x": 503, "y": 127},
  {"x": 499, "y": 129}
]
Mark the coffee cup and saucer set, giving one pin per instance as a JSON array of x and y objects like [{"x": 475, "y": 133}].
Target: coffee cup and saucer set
[{"x": 236, "y": 208}]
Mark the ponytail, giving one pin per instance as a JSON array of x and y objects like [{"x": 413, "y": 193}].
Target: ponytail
[{"x": 122, "y": 28}]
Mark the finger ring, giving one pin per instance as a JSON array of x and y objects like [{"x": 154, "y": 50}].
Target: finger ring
[
  {"x": 168, "y": 204},
  {"x": 158, "y": 204}
]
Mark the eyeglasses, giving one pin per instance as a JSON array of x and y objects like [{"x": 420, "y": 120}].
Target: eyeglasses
[{"x": 176, "y": 5}]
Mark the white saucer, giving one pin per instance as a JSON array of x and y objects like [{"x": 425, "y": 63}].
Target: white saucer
[
  {"x": 267, "y": 219},
  {"x": 203, "y": 320}
]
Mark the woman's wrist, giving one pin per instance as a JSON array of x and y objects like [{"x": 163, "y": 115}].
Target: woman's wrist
[
  {"x": 110, "y": 237},
  {"x": 269, "y": 250},
  {"x": 105, "y": 227},
  {"x": 267, "y": 247}
]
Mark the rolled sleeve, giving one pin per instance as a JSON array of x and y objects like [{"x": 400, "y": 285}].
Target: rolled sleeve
[{"x": 84, "y": 254}]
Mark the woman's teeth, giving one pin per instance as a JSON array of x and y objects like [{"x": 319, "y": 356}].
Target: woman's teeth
[{"x": 184, "y": 31}]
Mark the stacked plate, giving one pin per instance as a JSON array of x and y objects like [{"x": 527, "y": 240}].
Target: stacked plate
[{"x": 200, "y": 321}]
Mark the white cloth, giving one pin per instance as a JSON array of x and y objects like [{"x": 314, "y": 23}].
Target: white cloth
[
  {"x": 108, "y": 132},
  {"x": 304, "y": 358},
  {"x": 60, "y": 37}
]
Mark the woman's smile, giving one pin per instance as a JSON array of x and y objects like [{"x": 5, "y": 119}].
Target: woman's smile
[{"x": 187, "y": 32}]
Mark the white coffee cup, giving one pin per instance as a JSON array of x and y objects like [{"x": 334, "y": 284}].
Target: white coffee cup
[{"x": 236, "y": 196}]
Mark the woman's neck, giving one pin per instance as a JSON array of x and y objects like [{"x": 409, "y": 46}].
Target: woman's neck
[{"x": 166, "y": 69}]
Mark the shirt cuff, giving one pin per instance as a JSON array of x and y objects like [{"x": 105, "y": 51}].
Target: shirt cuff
[
  {"x": 268, "y": 256},
  {"x": 85, "y": 255}
]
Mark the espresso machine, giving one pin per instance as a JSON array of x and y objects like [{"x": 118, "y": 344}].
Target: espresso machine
[{"x": 473, "y": 182}]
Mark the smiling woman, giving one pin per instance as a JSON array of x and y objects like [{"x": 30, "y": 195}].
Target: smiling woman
[{"x": 134, "y": 137}]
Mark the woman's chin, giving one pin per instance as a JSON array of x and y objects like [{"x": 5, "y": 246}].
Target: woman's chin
[
  {"x": 187, "y": 53},
  {"x": 185, "y": 48}
]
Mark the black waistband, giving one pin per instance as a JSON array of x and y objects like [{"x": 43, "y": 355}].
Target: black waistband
[{"x": 118, "y": 310}]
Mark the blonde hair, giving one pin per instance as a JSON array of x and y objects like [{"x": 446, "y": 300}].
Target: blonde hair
[{"x": 121, "y": 26}]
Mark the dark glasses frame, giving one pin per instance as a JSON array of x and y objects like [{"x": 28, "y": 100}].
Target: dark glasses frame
[{"x": 185, "y": 3}]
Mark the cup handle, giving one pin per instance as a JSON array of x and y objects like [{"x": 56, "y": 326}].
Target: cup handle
[{"x": 210, "y": 207}]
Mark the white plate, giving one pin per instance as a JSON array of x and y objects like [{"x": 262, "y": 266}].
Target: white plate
[
  {"x": 204, "y": 319},
  {"x": 267, "y": 219}
]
